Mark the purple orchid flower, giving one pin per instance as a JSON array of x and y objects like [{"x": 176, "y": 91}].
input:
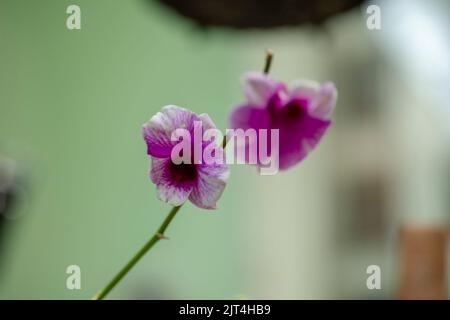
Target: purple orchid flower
[
  {"x": 302, "y": 113},
  {"x": 202, "y": 183}
]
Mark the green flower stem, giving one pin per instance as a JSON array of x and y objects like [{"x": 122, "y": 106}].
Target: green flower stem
[
  {"x": 153, "y": 240},
  {"x": 160, "y": 233}
]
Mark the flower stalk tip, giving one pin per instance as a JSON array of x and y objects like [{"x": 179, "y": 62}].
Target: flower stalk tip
[{"x": 269, "y": 57}]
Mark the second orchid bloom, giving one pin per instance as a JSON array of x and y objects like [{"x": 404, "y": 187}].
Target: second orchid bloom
[{"x": 300, "y": 113}]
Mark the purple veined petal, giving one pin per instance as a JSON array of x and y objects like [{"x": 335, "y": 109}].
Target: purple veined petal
[
  {"x": 209, "y": 186},
  {"x": 325, "y": 101},
  {"x": 158, "y": 130},
  {"x": 172, "y": 188},
  {"x": 258, "y": 88},
  {"x": 207, "y": 122},
  {"x": 298, "y": 138}
]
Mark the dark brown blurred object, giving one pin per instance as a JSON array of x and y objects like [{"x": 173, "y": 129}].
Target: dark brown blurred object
[
  {"x": 6, "y": 202},
  {"x": 243, "y": 14},
  {"x": 9, "y": 187},
  {"x": 423, "y": 262}
]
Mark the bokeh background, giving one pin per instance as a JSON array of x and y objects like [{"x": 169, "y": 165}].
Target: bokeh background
[{"x": 73, "y": 164}]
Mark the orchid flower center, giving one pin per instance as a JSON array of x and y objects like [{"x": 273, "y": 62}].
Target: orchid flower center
[
  {"x": 291, "y": 112},
  {"x": 183, "y": 172},
  {"x": 295, "y": 110}
]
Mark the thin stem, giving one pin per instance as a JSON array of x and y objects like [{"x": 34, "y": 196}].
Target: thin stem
[
  {"x": 160, "y": 233},
  {"x": 269, "y": 56},
  {"x": 156, "y": 237},
  {"x": 224, "y": 142}
]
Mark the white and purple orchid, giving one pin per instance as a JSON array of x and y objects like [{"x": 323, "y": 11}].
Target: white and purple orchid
[
  {"x": 201, "y": 183},
  {"x": 300, "y": 113}
]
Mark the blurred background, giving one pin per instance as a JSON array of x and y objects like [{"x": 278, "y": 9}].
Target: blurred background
[{"x": 74, "y": 188}]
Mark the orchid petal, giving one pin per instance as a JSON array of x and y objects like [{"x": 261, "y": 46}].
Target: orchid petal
[
  {"x": 299, "y": 138},
  {"x": 304, "y": 89},
  {"x": 247, "y": 116},
  {"x": 172, "y": 191},
  {"x": 258, "y": 88},
  {"x": 325, "y": 101},
  {"x": 158, "y": 130},
  {"x": 209, "y": 186}
]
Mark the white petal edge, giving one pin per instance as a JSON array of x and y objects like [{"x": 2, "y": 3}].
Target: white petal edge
[{"x": 258, "y": 88}]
